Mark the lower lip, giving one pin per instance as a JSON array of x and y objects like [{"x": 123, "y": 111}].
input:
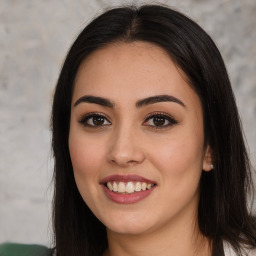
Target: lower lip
[{"x": 127, "y": 198}]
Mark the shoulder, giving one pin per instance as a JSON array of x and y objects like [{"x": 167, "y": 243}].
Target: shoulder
[
  {"x": 13, "y": 249},
  {"x": 228, "y": 251}
]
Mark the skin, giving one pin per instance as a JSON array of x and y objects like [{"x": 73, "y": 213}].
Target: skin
[{"x": 165, "y": 222}]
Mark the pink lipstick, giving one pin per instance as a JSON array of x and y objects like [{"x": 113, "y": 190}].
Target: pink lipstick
[{"x": 127, "y": 189}]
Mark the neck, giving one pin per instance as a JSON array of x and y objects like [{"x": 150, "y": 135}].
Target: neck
[{"x": 166, "y": 241}]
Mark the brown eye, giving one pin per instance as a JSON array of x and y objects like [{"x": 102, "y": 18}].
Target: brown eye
[
  {"x": 160, "y": 121},
  {"x": 98, "y": 120},
  {"x": 94, "y": 120}
]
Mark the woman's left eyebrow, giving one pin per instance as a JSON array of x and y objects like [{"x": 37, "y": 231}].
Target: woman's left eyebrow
[
  {"x": 144, "y": 102},
  {"x": 159, "y": 98}
]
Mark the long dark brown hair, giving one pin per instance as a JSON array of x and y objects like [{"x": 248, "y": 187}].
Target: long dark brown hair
[{"x": 223, "y": 212}]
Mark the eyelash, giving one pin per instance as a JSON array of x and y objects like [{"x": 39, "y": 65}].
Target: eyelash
[
  {"x": 172, "y": 121},
  {"x": 88, "y": 116},
  {"x": 84, "y": 120}
]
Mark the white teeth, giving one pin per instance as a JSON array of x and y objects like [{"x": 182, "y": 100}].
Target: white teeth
[
  {"x": 121, "y": 187},
  {"x": 144, "y": 186},
  {"x": 149, "y": 186},
  {"x": 109, "y": 185},
  {"x": 115, "y": 189},
  {"x": 129, "y": 187},
  {"x": 138, "y": 186}
]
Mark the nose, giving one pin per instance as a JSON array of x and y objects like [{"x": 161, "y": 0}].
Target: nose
[{"x": 125, "y": 148}]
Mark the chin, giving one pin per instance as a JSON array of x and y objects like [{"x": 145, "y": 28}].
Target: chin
[
  {"x": 128, "y": 225},
  {"x": 128, "y": 229}
]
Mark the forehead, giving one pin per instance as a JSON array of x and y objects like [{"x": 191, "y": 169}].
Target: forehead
[
  {"x": 135, "y": 59},
  {"x": 131, "y": 70}
]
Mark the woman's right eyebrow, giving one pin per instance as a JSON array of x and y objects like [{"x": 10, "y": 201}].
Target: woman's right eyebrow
[{"x": 96, "y": 100}]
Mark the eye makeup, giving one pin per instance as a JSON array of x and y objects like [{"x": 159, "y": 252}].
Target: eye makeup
[
  {"x": 155, "y": 120},
  {"x": 159, "y": 120},
  {"x": 94, "y": 120}
]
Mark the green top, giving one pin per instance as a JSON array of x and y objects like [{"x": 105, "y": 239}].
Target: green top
[{"x": 12, "y": 249}]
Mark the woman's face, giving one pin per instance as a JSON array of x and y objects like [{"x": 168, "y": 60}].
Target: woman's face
[{"x": 136, "y": 139}]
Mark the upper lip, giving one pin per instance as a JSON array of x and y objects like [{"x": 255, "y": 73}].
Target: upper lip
[{"x": 126, "y": 178}]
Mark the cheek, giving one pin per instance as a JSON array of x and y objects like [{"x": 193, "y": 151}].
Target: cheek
[
  {"x": 180, "y": 165},
  {"x": 85, "y": 153},
  {"x": 178, "y": 155},
  {"x": 86, "y": 158}
]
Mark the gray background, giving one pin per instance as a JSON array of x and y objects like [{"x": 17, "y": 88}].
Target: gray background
[{"x": 34, "y": 38}]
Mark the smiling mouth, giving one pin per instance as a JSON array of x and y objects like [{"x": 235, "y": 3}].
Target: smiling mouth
[{"x": 129, "y": 187}]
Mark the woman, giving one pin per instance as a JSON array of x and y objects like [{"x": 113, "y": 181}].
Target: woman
[{"x": 149, "y": 153}]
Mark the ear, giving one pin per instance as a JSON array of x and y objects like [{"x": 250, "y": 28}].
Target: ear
[{"x": 208, "y": 159}]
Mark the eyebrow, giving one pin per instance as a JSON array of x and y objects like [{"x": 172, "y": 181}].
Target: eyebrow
[
  {"x": 96, "y": 100},
  {"x": 159, "y": 98},
  {"x": 144, "y": 102}
]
